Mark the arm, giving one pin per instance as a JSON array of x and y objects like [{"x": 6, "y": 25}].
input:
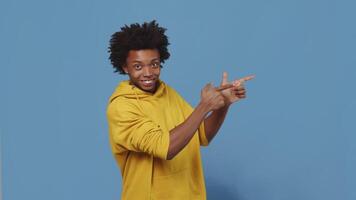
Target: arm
[
  {"x": 183, "y": 133},
  {"x": 231, "y": 95},
  {"x": 132, "y": 131},
  {"x": 214, "y": 122}
]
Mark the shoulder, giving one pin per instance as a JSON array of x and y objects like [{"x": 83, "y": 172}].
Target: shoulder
[
  {"x": 171, "y": 91},
  {"x": 176, "y": 97},
  {"x": 122, "y": 106}
]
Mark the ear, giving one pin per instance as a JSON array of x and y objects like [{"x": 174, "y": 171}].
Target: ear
[{"x": 124, "y": 67}]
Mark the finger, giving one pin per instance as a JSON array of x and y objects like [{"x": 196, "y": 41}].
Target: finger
[
  {"x": 247, "y": 78},
  {"x": 238, "y": 86},
  {"x": 207, "y": 87},
  {"x": 239, "y": 89},
  {"x": 237, "y": 83},
  {"x": 224, "y": 79},
  {"x": 224, "y": 87},
  {"x": 241, "y": 92},
  {"x": 241, "y": 81}
]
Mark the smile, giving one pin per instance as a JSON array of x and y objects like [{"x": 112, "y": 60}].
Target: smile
[{"x": 147, "y": 81}]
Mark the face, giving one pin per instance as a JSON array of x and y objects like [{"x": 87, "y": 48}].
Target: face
[{"x": 143, "y": 68}]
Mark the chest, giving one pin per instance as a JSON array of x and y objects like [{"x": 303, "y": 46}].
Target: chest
[{"x": 166, "y": 112}]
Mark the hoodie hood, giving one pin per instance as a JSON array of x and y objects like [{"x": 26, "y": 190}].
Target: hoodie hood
[{"x": 130, "y": 91}]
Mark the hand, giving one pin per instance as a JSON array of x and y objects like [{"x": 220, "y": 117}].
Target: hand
[
  {"x": 212, "y": 98},
  {"x": 236, "y": 92}
]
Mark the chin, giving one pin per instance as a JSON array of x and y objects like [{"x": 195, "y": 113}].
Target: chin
[{"x": 150, "y": 89}]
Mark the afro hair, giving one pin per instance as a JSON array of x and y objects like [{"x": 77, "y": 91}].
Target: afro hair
[{"x": 148, "y": 35}]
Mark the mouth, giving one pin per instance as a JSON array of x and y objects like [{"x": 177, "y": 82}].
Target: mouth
[{"x": 148, "y": 81}]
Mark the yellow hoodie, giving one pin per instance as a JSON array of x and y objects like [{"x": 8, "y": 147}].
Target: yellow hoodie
[{"x": 139, "y": 125}]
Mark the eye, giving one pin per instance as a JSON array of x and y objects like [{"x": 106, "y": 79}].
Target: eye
[
  {"x": 155, "y": 64},
  {"x": 137, "y": 66}
]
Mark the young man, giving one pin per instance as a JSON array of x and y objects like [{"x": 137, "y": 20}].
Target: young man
[{"x": 155, "y": 134}]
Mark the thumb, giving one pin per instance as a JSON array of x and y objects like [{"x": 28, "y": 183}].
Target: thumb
[
  {"x": 224, "y": 79},
  {"x": 207, "y": 86}
]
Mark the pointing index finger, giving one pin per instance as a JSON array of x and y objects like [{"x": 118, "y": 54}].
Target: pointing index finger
[
  {"x": 247, "y": 78},
  {"x": 241, "y": 81}
]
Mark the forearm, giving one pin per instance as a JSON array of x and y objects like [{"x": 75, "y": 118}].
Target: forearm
[
  {"x": 183, "y": 133},
  {"x": 214, "y": 122}
]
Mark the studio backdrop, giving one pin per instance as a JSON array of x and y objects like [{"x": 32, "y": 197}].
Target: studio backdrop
[{"x": 293, "y": 137}]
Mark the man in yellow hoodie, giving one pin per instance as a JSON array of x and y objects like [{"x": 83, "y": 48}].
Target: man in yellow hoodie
[{"x": 155, "y": 135}]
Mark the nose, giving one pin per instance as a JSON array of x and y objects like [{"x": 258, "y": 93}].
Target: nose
[{"x": 147, "y": 71}]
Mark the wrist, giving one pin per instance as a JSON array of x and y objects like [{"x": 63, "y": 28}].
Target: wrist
[
  {"x": 203, "y": 107},
  {"x": 226, "y": 106},
  {"x": 227, "y": 103}
]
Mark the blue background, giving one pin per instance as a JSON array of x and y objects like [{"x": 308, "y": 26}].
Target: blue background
[{"x": 292, "y": 138}]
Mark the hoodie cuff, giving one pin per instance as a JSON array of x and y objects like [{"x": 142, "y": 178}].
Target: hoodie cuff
[{"x": 202, "y": 136}]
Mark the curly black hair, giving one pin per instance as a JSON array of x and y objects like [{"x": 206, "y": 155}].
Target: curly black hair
[{"x": 148, "y": 35}]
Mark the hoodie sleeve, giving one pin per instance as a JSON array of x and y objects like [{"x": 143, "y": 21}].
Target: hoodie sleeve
[
  {"x": 188, "y": 109},
  {"x": 132, "y": 131},
  {"x": 202, "y": 137}
]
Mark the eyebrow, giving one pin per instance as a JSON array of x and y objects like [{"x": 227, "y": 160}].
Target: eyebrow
[{"x": 154, "y": 59}]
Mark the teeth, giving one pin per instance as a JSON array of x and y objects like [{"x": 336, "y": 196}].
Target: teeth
[{"x": 148, "y": 81}]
